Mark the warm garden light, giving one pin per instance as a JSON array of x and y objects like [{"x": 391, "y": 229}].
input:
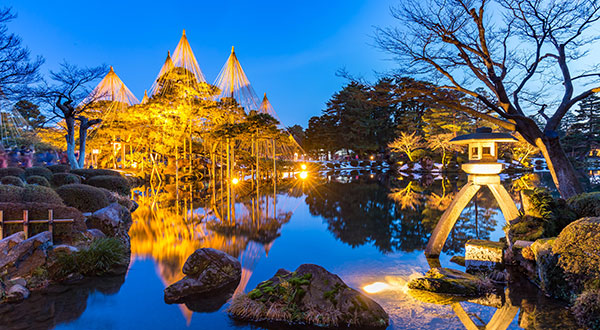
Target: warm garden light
[
  {"x": 235, "y": 181},
  {"x": 376, "y": 287},
  {"x": 303, "y": 175},
  {"x": 372, "y": 157},
  {"x": 303, "y": 166}
]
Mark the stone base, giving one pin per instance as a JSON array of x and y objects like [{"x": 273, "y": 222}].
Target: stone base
[{"x": 484, "y": 256}]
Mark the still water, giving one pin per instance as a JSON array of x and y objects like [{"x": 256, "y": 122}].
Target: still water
[{"x": 365, "y": 227}]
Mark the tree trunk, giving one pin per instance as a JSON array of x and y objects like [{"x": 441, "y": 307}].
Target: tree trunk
[
  {"x": 563, "y": 173},
  {"x": 70, "y": 137}
]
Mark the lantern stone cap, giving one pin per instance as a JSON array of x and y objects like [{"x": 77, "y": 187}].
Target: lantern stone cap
[{"x": 483, "y": 134}]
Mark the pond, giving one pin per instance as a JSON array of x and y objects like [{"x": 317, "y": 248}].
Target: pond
[{"x": 366, "y": 227}]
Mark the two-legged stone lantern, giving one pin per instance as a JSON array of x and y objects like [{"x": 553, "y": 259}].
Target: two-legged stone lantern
[{"x": 483, "y": 169}]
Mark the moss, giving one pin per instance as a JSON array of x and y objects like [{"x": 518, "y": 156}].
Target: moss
[
  {"x": 331, "y": 294},
  {"x": 83, "y": 197},
  {"x": 586, "y": 204},
  {"x": 12, "y": 180},
  {"x": 38, "y": 171},
  {"x": 587, "y": 309},
  {"x": 117, "y": 184},
  {"x": 38, "y": 180}
]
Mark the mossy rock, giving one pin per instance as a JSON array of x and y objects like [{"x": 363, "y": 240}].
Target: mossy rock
[
  {"x": 310, "y": 296},
  {"x": 586, "y": 204},
  {"x": 451, "y": 281},
  {"x": 587, "y": 309},
  {"x": 579, "y": 248}
]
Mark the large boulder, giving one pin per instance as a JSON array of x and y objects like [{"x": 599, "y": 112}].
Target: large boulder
[
  {"x": 579, "y": 248},
  {"x": 311, "y": 296},
  {"x": 19, "y": 256},
  {"x": 208, "y": 271},
  {"x": 113, "y": 220},
  {"x": 451, "y": 281}
]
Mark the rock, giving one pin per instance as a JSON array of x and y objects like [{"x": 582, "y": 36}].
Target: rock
[
  {"x": 587, "y": 309},
  {"x": 25, "y": 256},
  {"x": 451, "y": 281},
  {"x": 64, "y": 248},
  {"x": 579, "y": 248},
  {"x": 459, "y": 260},
  {"x": 113, "y": 221},
  {"x": 17, "y": 293},
  {"x": 207, "y": 271},
  {"x": 9, "y": 242},
  {"x": 19, "y": 280},
  {"x": 93, "y": 234},
  {"x": 522, "y": 256},
  {"x": 310, "y": 296},
  {"x": 483, "y": 256}
]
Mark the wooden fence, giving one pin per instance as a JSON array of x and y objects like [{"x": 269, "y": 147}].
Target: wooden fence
[{"x": 51, "y": 221}]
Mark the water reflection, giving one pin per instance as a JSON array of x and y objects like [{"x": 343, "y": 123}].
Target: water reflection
[{"x": 374, "y": 225}]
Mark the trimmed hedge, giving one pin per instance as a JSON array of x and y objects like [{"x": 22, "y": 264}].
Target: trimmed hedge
[
  {"x": 117, "y": 184},
  {"x": 92, "y": 172},
  {"x": 12, "y": 171},
  {"x": 59, "y": 168},
  {"x": 39, "y": 211},
  {"x": 12, "y": 180},
  {"x": 39, "y": 180},
  {"x": 40, "y": 194},
  {"x": 61, "y": 179},
  {"x": 10, "y": 194},
  {"x": 83, "y": 197},
  {"x": 38, "y": 171}
]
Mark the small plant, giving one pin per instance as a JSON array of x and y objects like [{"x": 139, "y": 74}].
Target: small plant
[
  {"x": 98, "y": 259},
  {"x": 12, "y": 180}
]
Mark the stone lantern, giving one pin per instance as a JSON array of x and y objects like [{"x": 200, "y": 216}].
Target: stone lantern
[{"x": 483, "y": 169}]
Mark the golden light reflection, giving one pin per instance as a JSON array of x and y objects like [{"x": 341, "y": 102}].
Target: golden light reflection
[
  {"x": 376, "y": 287},
  {"x": 235, "y": 181},
  {"x": 303, "y": 175},
  {"x": 303, "y": 167}
]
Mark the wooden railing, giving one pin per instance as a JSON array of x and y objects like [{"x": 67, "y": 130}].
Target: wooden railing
[{"x": 51, "y": 221}]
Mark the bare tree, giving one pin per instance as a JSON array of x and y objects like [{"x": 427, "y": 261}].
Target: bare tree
[
  {"x": 69, "y": 98},
  {"x": 528, "y": 53},
  {"x": 17, "y": 70}
]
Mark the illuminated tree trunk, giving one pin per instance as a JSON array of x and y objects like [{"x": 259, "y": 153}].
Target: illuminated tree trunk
[
  {"x": 70, "y": 138},
  {"x": 563, "y": 173}
]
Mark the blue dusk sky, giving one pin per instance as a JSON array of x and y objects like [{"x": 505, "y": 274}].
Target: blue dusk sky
[{"x": 289, "y": 49}]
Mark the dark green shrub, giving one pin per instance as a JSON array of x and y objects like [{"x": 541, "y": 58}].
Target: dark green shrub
[
  {"x": 39, "y": 180},
  {"x": 12, "y": 180},
  {"x": 354, "y": 163},
  {"x": 61, "y": 179},
  {"x": 38, "y": 171},
  {"x": 12, "y": 171},
  {"x": 39, "y": 211},
  {"x": 586, "y": 204},
  {"x": 59, "y": 168},
  {"x": 87, "y": 173},
  {"x": 10, "y": 194},
  {"x": 83, "y": 197},
  {"x": 40, "y": 194},
  {"x": 555, "y": 213},
  {"x": 117, "y": 184}
]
